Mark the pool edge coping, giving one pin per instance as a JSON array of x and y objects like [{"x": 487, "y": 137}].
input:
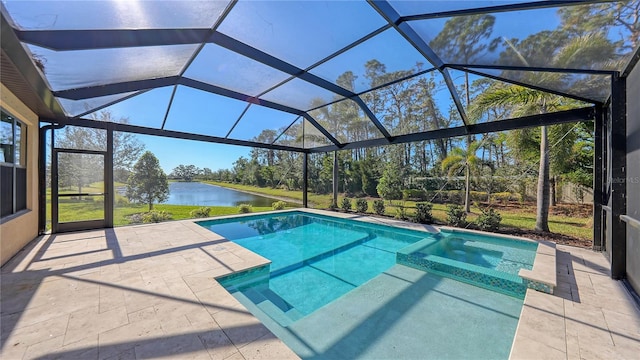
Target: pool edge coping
[{"x": 542, "y": 275}]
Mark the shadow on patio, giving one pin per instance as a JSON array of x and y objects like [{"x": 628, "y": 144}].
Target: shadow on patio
[{"x": 141, "y": 291}]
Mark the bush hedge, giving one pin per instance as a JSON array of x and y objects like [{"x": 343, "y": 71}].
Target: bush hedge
[
  {"x": 456, "y": 216},
  {"x": 378, "y": 207},
  {"x": 362, "y": 206},
  {"x": 423, "y": 213},
  {"x": 346, "y": 204}
]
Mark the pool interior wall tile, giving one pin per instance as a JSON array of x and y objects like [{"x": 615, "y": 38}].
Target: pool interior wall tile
[{"x": 543, "y": 276}]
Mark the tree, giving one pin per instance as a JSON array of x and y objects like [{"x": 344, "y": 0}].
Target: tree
[
  {"x": 527, "y": 101},
  {"x": 391, "y": 182},
  {"x": 463, "y": 39},
  {"x": 467, "y": 160},
  {"x": 148, "y": 183},
  {"x": 126, "y": 147},
  {"x": 79, "y": 170},
  {"x": 185, "y": 172},
  {"x": 207, "y": 174},
  {"x": 570, "y": 45}
]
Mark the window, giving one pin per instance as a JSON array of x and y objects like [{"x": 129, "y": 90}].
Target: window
[{"x": 13, "y": 172}]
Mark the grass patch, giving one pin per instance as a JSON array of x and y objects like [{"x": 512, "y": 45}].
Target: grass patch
[
  {"x": 519, "y": 218},
  {"x": 86, "y": 210},
  {"x": 92, "y": 207}
]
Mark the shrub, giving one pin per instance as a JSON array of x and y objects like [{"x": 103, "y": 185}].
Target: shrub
[
  {"x": 346, "y": 204},
  {"x": 455, "y": 196},
  {"x": 202, "y": 212},
  {"x": 154, "y": 216},
  {"x": 135, "y": 219},
  {"x": 423, "y": 213},
  {"x": 378, "y": 207},
  {"x": 245, "y": 208},
  {"x": 362, "y": 205},
  {"x": 456, "y": 216},
  {"x": 279, "y": 205},
  {"x": 122, "y": 201},
  {"x": 401, "y": 213},
  {"x": 504, "y": 197},
  {"x": 488, "y": 220},
  {"x": 478, "y": 195},
  {"x": 413, "y": 194}
]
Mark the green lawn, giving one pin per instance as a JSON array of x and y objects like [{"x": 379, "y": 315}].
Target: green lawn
[
  {"x": 90, "y": 208},
  {"x": 519, "y": 218},
  {"x": 522, "y": 218}
]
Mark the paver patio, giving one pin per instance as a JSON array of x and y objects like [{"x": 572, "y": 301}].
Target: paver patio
[{"x": 128, "y": 293}]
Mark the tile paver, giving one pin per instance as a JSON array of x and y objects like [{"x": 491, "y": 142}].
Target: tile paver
[
  {"x": 130, "y": 293},
  {"x": 599, "y": 318}
]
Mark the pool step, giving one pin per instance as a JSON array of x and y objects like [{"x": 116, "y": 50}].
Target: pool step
[
  {"x": 490, "y": 279},
  {"x": 272, "y": 304}
]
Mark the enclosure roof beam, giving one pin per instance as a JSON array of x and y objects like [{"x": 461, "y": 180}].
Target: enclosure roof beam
[
  {"x": 238, "y": 96},
  {"x": 391, "y": 15},
  {"x": 65, "y": 40},
  {"x": 568, "y": 116},
  {"x": 532, "y": 68},
  {"x": 321, "y": 128},
  {"x": 372, "y": 117},
  {"x": 498, "y": 8},
  {"x": 71, "y": 40},
  {"x": 455, "y": 96},
  {"x": 115, "y": 88},
  {"x": 262, "y": 57},
  {"x": 555, "y": 92},
  {"x": 21, "y": 76},
  {"x": 393, "y": 18},
  {"x": 95, "y": 124}
]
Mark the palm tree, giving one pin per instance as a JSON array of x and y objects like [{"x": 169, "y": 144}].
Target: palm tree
[
  {"x": 525, "y": 101},
  {"x": 463, "y": 159}
]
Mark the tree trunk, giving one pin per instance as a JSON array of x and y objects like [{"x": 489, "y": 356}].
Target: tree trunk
[
  {"x": 150, "y": 206},
  {"x": 543, "y": 193},
  {"x": 553, "y": 191},
  {"x": 467, "y": 177}
]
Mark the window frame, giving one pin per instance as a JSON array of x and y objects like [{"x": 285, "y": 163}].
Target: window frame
[{"x": 19, "y": 153}]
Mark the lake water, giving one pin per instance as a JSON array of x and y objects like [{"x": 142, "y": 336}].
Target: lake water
[{"x": 195, "y": 193}]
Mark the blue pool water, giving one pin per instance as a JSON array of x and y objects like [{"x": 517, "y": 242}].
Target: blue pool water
[
  {"x": 314, "y": 259},
  {"x": 340, "y": 288},
  {"x": 483, "y": 260},
  {"x": 490, "y": 252}
]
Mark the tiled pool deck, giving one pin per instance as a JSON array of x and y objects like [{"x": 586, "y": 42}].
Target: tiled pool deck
[{"x": 147, "y": 292}]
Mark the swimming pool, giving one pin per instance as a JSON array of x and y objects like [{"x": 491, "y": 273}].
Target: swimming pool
[
  {"x": 322, "y": 266},
  {"x": 314, "y": 259}
]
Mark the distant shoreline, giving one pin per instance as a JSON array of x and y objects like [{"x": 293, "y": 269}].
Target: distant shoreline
[{"x": 281, "y": 198}]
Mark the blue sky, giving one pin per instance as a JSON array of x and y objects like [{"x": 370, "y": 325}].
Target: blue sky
[{"x": 174, "y": 152}]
